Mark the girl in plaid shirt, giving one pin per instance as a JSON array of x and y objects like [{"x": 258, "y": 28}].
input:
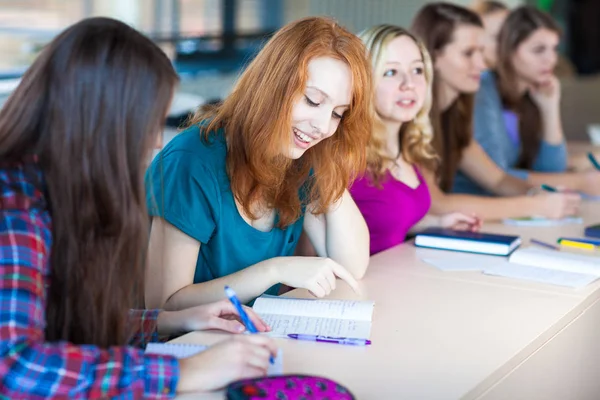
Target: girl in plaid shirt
[{"x": 74, "y": 139}]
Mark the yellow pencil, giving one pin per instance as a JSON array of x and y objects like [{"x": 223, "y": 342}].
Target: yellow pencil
[{"x": 578, "y": 245}]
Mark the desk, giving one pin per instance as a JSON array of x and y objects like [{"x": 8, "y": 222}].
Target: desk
[{"x": 461, "y": 335}]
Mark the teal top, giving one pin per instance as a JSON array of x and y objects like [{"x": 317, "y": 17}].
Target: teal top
[{"x": 188, "y": 186}]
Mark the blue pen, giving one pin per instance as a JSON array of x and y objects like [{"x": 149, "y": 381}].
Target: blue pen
[
  {"x": 329, "y": 339},
  {"x": 594, "y": 162},
  {"x": 250, "y": 327}
]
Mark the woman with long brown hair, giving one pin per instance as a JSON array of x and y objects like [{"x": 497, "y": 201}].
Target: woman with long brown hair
[
  {"x": 517, "y": 110},
  {"x": 454, "y": 37},
  {"x": 232, "y": 194},
  {"x": 75, "y": 137}
]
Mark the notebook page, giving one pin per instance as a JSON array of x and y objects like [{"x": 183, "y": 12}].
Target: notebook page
[
  {"x": 183, "y": 350},
  {"x": 282, "y": 325},
  {"x": 340, "y": 309},
  {"x": 542, "y": 275},
  {"x": 558, "y": 260}
]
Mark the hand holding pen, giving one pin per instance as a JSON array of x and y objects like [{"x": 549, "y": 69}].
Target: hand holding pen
[{"x": 247, "y": 321}]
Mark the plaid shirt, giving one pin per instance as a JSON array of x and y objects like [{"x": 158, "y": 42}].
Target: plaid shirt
[{"x": 30, "y": 367}]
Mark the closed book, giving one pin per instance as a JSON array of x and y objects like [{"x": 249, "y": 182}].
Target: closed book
[
  {"x": 471, "y": 242},
  {"x": 593, "y": 231}
]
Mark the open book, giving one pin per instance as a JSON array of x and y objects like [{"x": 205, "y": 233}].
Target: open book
[
  {"x": 339, "y": 318},
  {"x": 530, "y": 263}
]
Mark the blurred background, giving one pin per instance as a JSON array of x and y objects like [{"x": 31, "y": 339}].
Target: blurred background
[{"x": 209, "y": 41}]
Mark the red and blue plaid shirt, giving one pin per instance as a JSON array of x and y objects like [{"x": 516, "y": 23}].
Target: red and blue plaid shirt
[{"x": 31, "y": 367}]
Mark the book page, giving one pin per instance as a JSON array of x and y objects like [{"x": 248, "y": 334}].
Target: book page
[
  {"x": 542, "y": 275},
  {"x": 340, "y": 309},
  {"x": 183, "y": 350},
  {"x": 282, "y": 325},
  {"x": 558, "y": 260}
]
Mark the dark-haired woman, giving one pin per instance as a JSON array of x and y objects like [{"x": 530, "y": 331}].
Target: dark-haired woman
[{"x": 74, "y": 139}]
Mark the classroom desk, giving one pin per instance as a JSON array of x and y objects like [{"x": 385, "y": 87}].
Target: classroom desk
[{"x": 460, "y": 335}]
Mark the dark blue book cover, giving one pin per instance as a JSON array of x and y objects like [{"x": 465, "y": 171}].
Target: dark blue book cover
[{"x": 466, "y": 235}]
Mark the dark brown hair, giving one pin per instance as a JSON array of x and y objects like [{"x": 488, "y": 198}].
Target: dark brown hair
[
  {"x": 519, "y": 25},
  {"x": 453, "y": 128},
  {"x": 91, "y": 108},
  {"x": 266, "y": 93}
]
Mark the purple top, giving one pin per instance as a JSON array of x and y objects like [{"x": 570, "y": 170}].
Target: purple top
[
  {"x": 511, "y": 122},
  {"x": 390, "y": 211}
]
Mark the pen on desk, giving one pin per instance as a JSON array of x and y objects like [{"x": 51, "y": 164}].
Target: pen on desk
[
  {"x": 577, "y": 245},
  {"x": 250, "y": 327},
  {"x": 549, "y": 188},
  {"x": 329, "y": 339},
  {"x": 544, "y": 244},
  {"x": 593, "y": 160}
]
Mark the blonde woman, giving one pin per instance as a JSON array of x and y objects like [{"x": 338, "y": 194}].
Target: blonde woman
[{"x": 393, "y": 195}]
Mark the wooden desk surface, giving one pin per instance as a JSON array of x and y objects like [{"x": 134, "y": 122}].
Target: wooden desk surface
[{"x": 439, "y": 335}]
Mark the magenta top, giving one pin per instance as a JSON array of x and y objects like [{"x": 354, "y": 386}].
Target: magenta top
[{"x": 390, "y": 211}]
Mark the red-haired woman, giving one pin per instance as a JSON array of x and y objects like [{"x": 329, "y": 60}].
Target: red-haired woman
[{"x": 232, "y": 194}]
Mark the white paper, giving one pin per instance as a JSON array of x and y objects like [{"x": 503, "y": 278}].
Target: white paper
[
  {"x": 183, "y": 350},
  {"x": 340, "y": 318},
  {"x": 557, "y": 260},
  {"x": 541, "y": 221},
  {"x": 542, "y": 275},
  {"x": 282, "y": 325},
  {"x": 340, "y": 309},
  {"x": 471, "y": 263}
]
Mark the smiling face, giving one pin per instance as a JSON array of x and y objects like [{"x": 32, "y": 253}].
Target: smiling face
[
  {"x": 317, "y": 113},
  {"x": 401, "y": 88},
  {"x": 535, "y": 58},
  {"x": 460, "y": 63}
]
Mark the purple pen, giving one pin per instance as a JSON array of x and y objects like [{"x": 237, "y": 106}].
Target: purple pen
[
  {"x": 544, "y": 244},
  {"x": 330, "y": 339}
]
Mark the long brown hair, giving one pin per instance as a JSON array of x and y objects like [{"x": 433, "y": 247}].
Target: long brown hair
[
  {"x": 415, "y": 136},
  {"x": 453, "y": 128},
  {"x": 257, "y": 122},
  {"x": 519, "y": 25},
  {"x": 91, "y": 108}
]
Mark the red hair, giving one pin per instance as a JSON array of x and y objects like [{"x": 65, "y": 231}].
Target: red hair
[{"x": 256, "y": 118}]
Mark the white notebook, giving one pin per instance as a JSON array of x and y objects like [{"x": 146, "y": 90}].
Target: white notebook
[
  {"x": 339, "y": 318},
  {"x": 541, "y": 221},
  {"x": 183, "y": 350},
  {"x": 530, "y": 263}
]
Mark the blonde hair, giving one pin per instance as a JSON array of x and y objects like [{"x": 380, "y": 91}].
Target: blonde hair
[{"x": 416, "y": 136}]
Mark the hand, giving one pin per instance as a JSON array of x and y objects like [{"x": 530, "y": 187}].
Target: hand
[
  {"x": 316, "y": 274},
  {"x": 221, "y": 315},
  {"x": 460, "y": 222},
  {"x": 591, "y": 182},
  {"x": 546, "y": 95},
  {"x": 244, "y": 356},
  {"x": 558, "y": 205}
]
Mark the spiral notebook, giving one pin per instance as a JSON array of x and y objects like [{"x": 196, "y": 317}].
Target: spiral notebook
[{"x": 183, "y": 350}]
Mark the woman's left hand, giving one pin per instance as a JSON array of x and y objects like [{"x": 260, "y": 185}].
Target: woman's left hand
[{"x": 460, "y": 222}]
